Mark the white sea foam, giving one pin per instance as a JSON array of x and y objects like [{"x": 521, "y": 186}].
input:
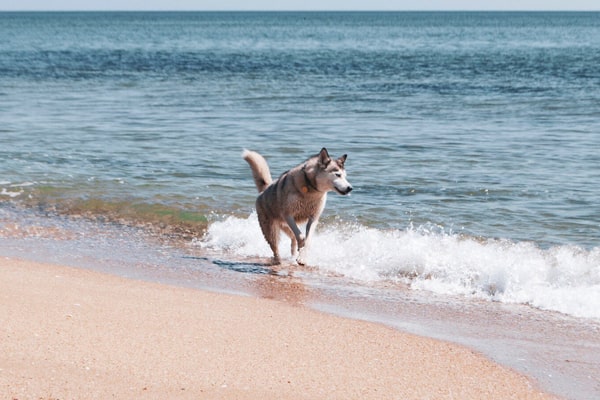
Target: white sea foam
[
  {"x": 562, "y": 278},
  {"x": 10, "y": 189},
  {"x": 23, "y": 184},
  {"x": 10, "y": 193}
]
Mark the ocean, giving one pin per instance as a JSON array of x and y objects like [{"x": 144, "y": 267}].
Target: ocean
[{"x": 472, "y": 142}]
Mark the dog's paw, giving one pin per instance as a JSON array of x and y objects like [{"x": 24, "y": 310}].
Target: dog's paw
[
  {"x": 275, "y": 261},
  {"x": 301, "y": 260}
]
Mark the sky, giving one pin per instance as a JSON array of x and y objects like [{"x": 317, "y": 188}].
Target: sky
[{"x": 243, "y": 5}]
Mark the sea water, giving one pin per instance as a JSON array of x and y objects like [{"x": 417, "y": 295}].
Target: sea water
[{"x": 472, "y": 138}]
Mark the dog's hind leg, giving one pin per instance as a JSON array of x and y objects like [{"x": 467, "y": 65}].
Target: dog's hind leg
[
  {"x": 271, "y": 233},
  {"x": 270, "y": 228}
]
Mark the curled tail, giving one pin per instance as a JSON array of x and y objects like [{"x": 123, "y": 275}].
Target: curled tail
[{"x": 260, "y": 169}]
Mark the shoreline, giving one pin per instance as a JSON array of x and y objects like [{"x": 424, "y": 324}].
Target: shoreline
[{"x": 74, "y": 333}]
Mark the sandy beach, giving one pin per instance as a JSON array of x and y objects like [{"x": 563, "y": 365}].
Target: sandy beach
[{"x": 72, "y": 333}]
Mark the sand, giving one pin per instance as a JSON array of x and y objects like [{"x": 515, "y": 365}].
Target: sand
[{"x": 69, "y": 333}]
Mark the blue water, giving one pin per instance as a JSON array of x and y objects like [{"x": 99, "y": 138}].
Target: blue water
[{"x": 472, "y": 138}]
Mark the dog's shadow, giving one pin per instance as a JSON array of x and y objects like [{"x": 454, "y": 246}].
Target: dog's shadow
[
  {"x": 245, "y": 267},
  {"x": 271, "y": 282}
]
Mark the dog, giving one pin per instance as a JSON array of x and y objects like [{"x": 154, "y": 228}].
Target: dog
[{"x": 298, "y": 196}]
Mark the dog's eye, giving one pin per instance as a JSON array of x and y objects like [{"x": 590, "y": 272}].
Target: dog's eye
[{"x": 338, "y": 174}]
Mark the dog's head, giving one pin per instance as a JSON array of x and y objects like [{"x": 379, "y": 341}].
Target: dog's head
[{"x": 332, "y": 174}]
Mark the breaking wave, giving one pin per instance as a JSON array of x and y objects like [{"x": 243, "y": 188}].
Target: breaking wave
[{"x": 561, "y": 278}]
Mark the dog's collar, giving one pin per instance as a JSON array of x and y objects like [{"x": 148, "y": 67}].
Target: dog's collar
[{"x": 309, "y": 185}]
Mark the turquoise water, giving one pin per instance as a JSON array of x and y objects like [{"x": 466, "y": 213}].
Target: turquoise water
[{"x": 472, "y": 138}]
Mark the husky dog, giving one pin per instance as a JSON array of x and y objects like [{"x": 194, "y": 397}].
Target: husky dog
[{"x": 297, "y": 196}]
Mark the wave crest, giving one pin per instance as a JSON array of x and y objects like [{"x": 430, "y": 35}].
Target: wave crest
[{"x": 561, "y": 278}]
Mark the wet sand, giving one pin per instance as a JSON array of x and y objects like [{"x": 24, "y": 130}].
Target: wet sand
[{"x": 71, "y": 333}]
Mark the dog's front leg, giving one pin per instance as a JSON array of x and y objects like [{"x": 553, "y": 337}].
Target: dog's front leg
[
  {"x": 310, "y": 227},
  {"x": 297, "y": 232}
]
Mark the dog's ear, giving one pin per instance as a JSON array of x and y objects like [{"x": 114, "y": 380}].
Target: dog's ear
[
  {"x": 324, "y": 158},
  {"x": 342, "y": 160}
]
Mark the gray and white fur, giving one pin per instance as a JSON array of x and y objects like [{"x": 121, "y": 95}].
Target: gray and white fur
[{"x": 298, "y": 196}]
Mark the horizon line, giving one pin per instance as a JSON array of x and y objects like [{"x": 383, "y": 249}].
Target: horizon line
[{"x": 294, "y": 10}]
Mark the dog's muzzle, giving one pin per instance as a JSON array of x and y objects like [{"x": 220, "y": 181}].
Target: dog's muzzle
[{"x": 344, "y": 191}]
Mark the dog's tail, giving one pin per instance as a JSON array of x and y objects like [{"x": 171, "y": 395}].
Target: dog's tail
[{"x": 260, "y": 169}]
